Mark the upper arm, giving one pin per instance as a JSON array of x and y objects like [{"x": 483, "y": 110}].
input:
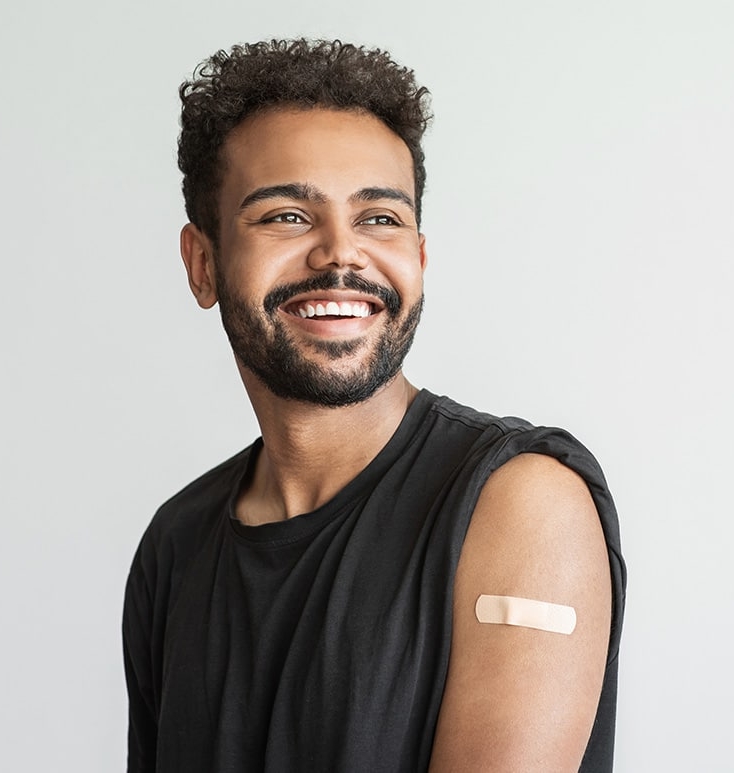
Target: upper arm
[
  {"x": 518, "y": 698},
  {"x": 137, "y": 652}
]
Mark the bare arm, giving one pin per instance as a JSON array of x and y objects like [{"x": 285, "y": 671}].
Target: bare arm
[{"x": 517, "y": 698}]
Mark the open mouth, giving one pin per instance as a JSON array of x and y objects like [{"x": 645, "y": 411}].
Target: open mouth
[{"x": 326, "y": 310}]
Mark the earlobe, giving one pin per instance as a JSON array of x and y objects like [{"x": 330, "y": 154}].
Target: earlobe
[{"x": 198, "y": 257}]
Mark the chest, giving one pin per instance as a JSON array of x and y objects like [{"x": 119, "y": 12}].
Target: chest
[{"x": 334, "y": 650}]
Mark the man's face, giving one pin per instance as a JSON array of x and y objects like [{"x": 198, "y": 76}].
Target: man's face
[{"x": 319, "y": 268}]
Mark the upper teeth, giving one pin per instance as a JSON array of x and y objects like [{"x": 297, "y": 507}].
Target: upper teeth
[{"x": 334, "y": 309}]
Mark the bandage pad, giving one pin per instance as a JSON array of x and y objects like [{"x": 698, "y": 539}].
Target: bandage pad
[{"x": 510, "y": 610}]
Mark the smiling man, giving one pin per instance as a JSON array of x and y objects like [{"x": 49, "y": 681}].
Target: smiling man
[{"x": 384, "y": 580}]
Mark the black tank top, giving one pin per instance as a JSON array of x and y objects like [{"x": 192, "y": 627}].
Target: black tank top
[{"x": 321, "y": 643}]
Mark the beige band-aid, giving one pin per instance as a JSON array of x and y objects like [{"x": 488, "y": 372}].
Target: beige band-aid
[{"x": 510, "y": 610}]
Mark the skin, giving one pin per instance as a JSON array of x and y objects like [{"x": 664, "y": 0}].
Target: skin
[{"x": 534, "y": 533}]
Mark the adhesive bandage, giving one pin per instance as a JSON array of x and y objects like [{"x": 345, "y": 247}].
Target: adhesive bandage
[{"x": 510, "y": 610}]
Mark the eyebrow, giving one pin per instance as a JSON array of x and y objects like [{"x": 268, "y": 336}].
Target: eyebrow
[
  {"x": 300, "y": 191},
  {"x": 376, "y": 194},
  {"x": 307, "y": 192}
]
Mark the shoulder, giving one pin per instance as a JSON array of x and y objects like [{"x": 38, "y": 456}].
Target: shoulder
[
  {"x": 207, "y": 494},
  {"x": 537, "y": 521},
  {"x": 533, "y": 489},
  {"x": 504, "y": 437},
  {"x": 180, "y": 523}
]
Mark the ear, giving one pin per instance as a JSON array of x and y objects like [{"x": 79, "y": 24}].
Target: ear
[
  {"x": 198, "y": 256},
  {"x": 423, "y": 252}
]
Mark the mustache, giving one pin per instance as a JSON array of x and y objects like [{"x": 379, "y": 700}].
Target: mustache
[{"x": 333, "y": 280}]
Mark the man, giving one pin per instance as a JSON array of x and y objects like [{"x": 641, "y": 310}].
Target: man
[{"x": 385, "y": 580}]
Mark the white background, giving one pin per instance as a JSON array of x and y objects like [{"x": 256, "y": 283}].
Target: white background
[{"x": 580, "y": 222}]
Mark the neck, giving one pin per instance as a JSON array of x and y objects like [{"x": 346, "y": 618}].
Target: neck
[{"x": 311, "y": 452}]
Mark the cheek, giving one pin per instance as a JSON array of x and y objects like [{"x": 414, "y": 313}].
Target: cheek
[
  {"x": 263, "y": 264},
  {"x": 401, "y": 258},
  {"x": 406, "y": 275}
]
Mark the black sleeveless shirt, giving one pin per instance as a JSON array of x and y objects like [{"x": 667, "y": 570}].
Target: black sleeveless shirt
[{"x": 321, "y": 643}]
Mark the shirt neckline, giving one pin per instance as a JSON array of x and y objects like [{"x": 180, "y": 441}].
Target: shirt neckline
[{"x": 300, "y": 526}]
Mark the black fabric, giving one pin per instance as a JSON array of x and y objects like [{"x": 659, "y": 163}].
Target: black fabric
[{"x": 321, "y": 643}]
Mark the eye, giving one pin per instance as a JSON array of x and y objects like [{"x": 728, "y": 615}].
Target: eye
[
  {"x": 379, "y": 220},
  {"x": 292, "y": 218}
]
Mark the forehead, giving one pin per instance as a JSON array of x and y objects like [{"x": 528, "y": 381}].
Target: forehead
[{"x": 339, "y": 151}]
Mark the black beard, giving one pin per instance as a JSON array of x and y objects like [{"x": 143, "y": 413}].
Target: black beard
[{"x": 261, "y": 342}]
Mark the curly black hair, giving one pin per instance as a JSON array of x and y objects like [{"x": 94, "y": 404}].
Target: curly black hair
[{"x": 231, "y": 85}]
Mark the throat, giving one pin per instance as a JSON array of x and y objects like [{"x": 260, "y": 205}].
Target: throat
[{"x": 304, "y": 463}]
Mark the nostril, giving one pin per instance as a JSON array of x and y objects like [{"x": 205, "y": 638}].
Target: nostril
[{"x": 337, "y": 254}]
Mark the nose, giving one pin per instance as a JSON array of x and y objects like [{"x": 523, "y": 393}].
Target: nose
[{"x": 336, "y": 247}]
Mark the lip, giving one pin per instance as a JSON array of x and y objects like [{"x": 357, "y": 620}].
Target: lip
[
  {"x": 338, "y": 296},
  {"x": 344, "y": 327}
]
